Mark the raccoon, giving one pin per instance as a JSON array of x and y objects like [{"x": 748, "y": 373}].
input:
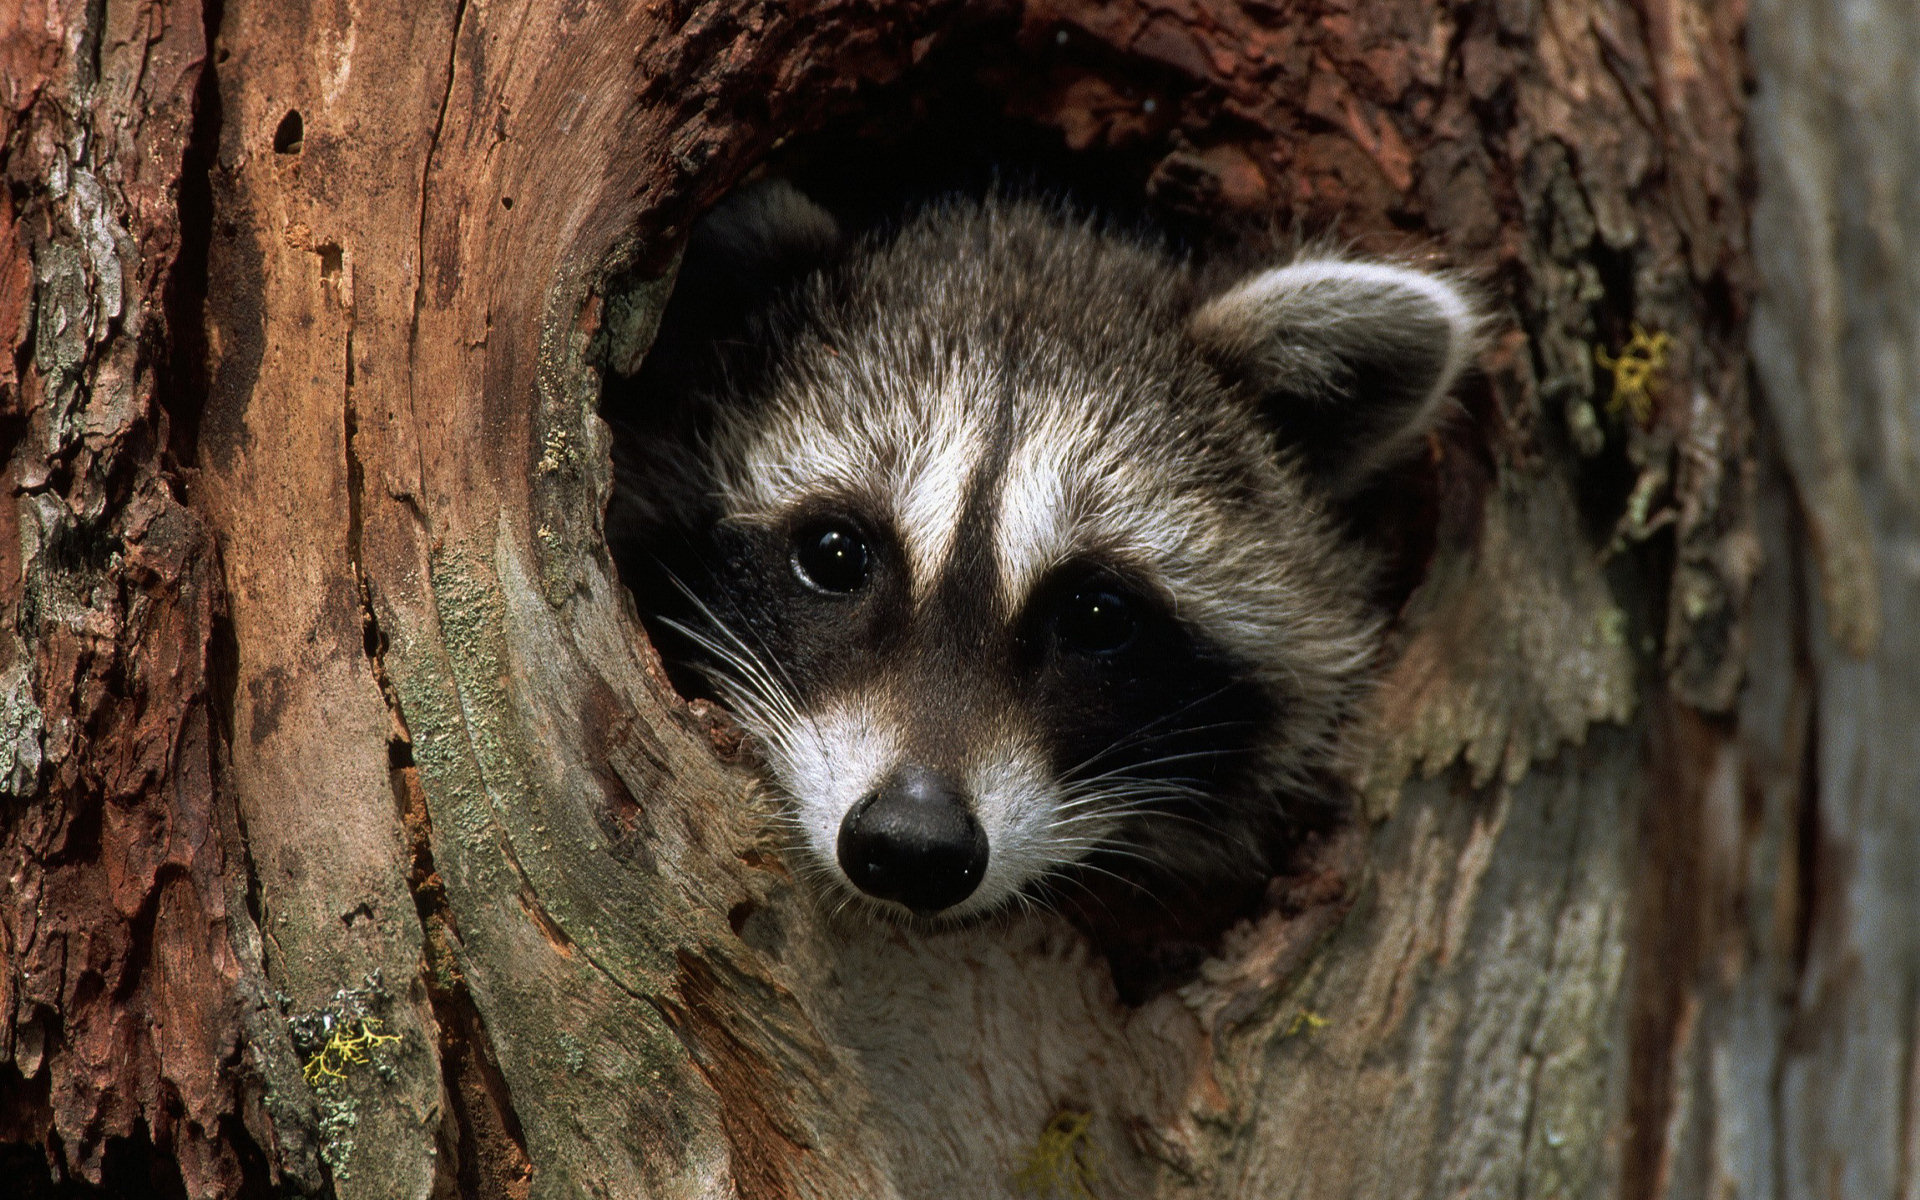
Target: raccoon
[{"x": 1014, "y": 542}]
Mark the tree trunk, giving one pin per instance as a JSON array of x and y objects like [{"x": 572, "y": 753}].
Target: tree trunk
[{"x": 354, "y": 840}]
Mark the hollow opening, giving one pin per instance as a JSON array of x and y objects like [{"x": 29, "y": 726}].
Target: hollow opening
[
  {"x": 1110, "y": 139},
  {"x": 1060, "y": 119},
  {"x": 291, "y": 134},
  {"x": 987, "y": 115}
]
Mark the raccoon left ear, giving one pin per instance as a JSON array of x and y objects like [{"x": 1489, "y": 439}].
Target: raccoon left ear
[
  {"x": 1353, "y": 360},
  {"x": 754, "y": 246}
]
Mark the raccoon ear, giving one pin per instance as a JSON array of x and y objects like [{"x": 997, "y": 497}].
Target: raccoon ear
[
  {"x": 762, "y": 236},
  {"x": 747, "y": 251},
  {"x": 1353, "y": 360}
]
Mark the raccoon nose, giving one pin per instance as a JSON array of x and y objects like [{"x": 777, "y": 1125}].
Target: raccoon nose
[{"x": 914, "y": 840}]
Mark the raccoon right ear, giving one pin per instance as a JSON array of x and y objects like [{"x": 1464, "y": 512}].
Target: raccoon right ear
[{"x": 1352, "y": 360}]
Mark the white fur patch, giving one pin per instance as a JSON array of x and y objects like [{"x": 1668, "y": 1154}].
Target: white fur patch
[
  {"x": 827, "y": 762},
  {"x": 792, "y": 461},
  {"x": 914, "y": 461},
  {"x": 1017, "y": 801},
  {"x": 929, "y": 488},
  {"x": 1034, "y": 530},
  {"x": 1064, "y": 493},
  {"x": 1326, "y": 292}
]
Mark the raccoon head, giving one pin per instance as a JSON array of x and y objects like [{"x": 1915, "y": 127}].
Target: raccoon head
[{"x": 1011, "y": 542}]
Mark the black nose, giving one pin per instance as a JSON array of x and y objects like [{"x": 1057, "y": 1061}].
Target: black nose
[{"x": 913, "y": 840}]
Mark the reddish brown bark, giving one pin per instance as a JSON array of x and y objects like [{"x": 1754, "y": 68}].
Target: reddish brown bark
[{"x": 124, "y": 1003}]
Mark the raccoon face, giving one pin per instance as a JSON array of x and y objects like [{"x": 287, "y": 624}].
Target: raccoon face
[{"x": 1013, "y": 545}]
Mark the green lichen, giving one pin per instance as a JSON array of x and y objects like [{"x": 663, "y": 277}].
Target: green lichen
[
  {"x": 571, "y": 474},
  {"x": 632, "y": 317},
  {"x": 573, "y": 1053},
  {"x": 21, "y": 727},
  {"x": 456, "y": 719},
  {"x": 473, "y": 621},
  {"x": 342, "y": 1044}
]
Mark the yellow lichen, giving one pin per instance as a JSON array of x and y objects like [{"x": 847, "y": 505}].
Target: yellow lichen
[
  {"x": 1062, "y": 1164},
  {"x": 351, "y": 1039},
  {"x": 556, "y": 452},
  {"x": 1634, "y": 369},
  {"x": 1304, "y": 1021}
]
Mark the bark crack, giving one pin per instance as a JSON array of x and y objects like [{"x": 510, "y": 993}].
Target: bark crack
[
  {"x": 484, "y": 1152},
  {"x": 182, "y": 386},
  {"x": 426, "y": 181},
  {"x": 1552, "y": 983},
  {"x": 1536, "y": 1063}
]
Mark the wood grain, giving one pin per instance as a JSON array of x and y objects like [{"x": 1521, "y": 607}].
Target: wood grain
[{"x": 322, "y": 695}]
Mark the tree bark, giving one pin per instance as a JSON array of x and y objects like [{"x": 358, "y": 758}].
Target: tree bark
[{"x": 355, "y": 841}]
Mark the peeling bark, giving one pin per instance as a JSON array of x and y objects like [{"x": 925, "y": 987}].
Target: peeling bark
[
  {"x": 355, "y": 842},
  {"x": 126, "y": 1007}
]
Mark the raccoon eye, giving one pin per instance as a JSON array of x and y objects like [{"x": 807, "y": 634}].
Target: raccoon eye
[
  {"x": 1096, "y": 620},
  {"x": 830, "y": 557}
]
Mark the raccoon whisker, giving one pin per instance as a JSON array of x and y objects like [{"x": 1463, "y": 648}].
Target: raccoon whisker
[
  {"x": 1135, "y": 769},
  {"x": 820, "y": 882},
  {"x": 1142, "y": 743},
  {"x": 752, "y": 686},
  {"x": 1132, "y": 770},
  {"x": 1106, "y": 827},
  {"x": 770, "y": 659},
  {"x": 1073, "y": 794},
  {"x": 765, "y": 726},
  {"x": 1146, "y": 732},
  {"x": 1109, "y": 818},
  {"x": 1136, "y": 735},
  {"x": 1026, "y": 903},
  {"x": 1132, "y": 885},
  {"x": 1052, "y": 884},
  {"x": 1115, "y": 805},
  {"x": 743, "y": 709},
  {"x": 726, "y": 669},
  {"x": 1138, "y": 773},
  {"x": 731, "y": 634},
  {"x": 739, "y": 654},
  {"x": 1189, "y": 706},
  {"x": 737, "y": 693},
  {"x": 790, "y": 820},
  {"x": 1110, "y": 853},
  {"x": 846, "y": 901},
  {"x": 1128, "y": 801},
  {"x": 1122, "y": 786},
  {"x": 746, "y": 686},
  {"x": 751, "y": 714}
]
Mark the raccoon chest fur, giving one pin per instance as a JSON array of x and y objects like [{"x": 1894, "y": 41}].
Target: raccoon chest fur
[{"x": 1013, "y": 543}]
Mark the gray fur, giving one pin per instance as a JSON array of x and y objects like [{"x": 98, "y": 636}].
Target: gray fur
[{"x": 1010, "y": 392}]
